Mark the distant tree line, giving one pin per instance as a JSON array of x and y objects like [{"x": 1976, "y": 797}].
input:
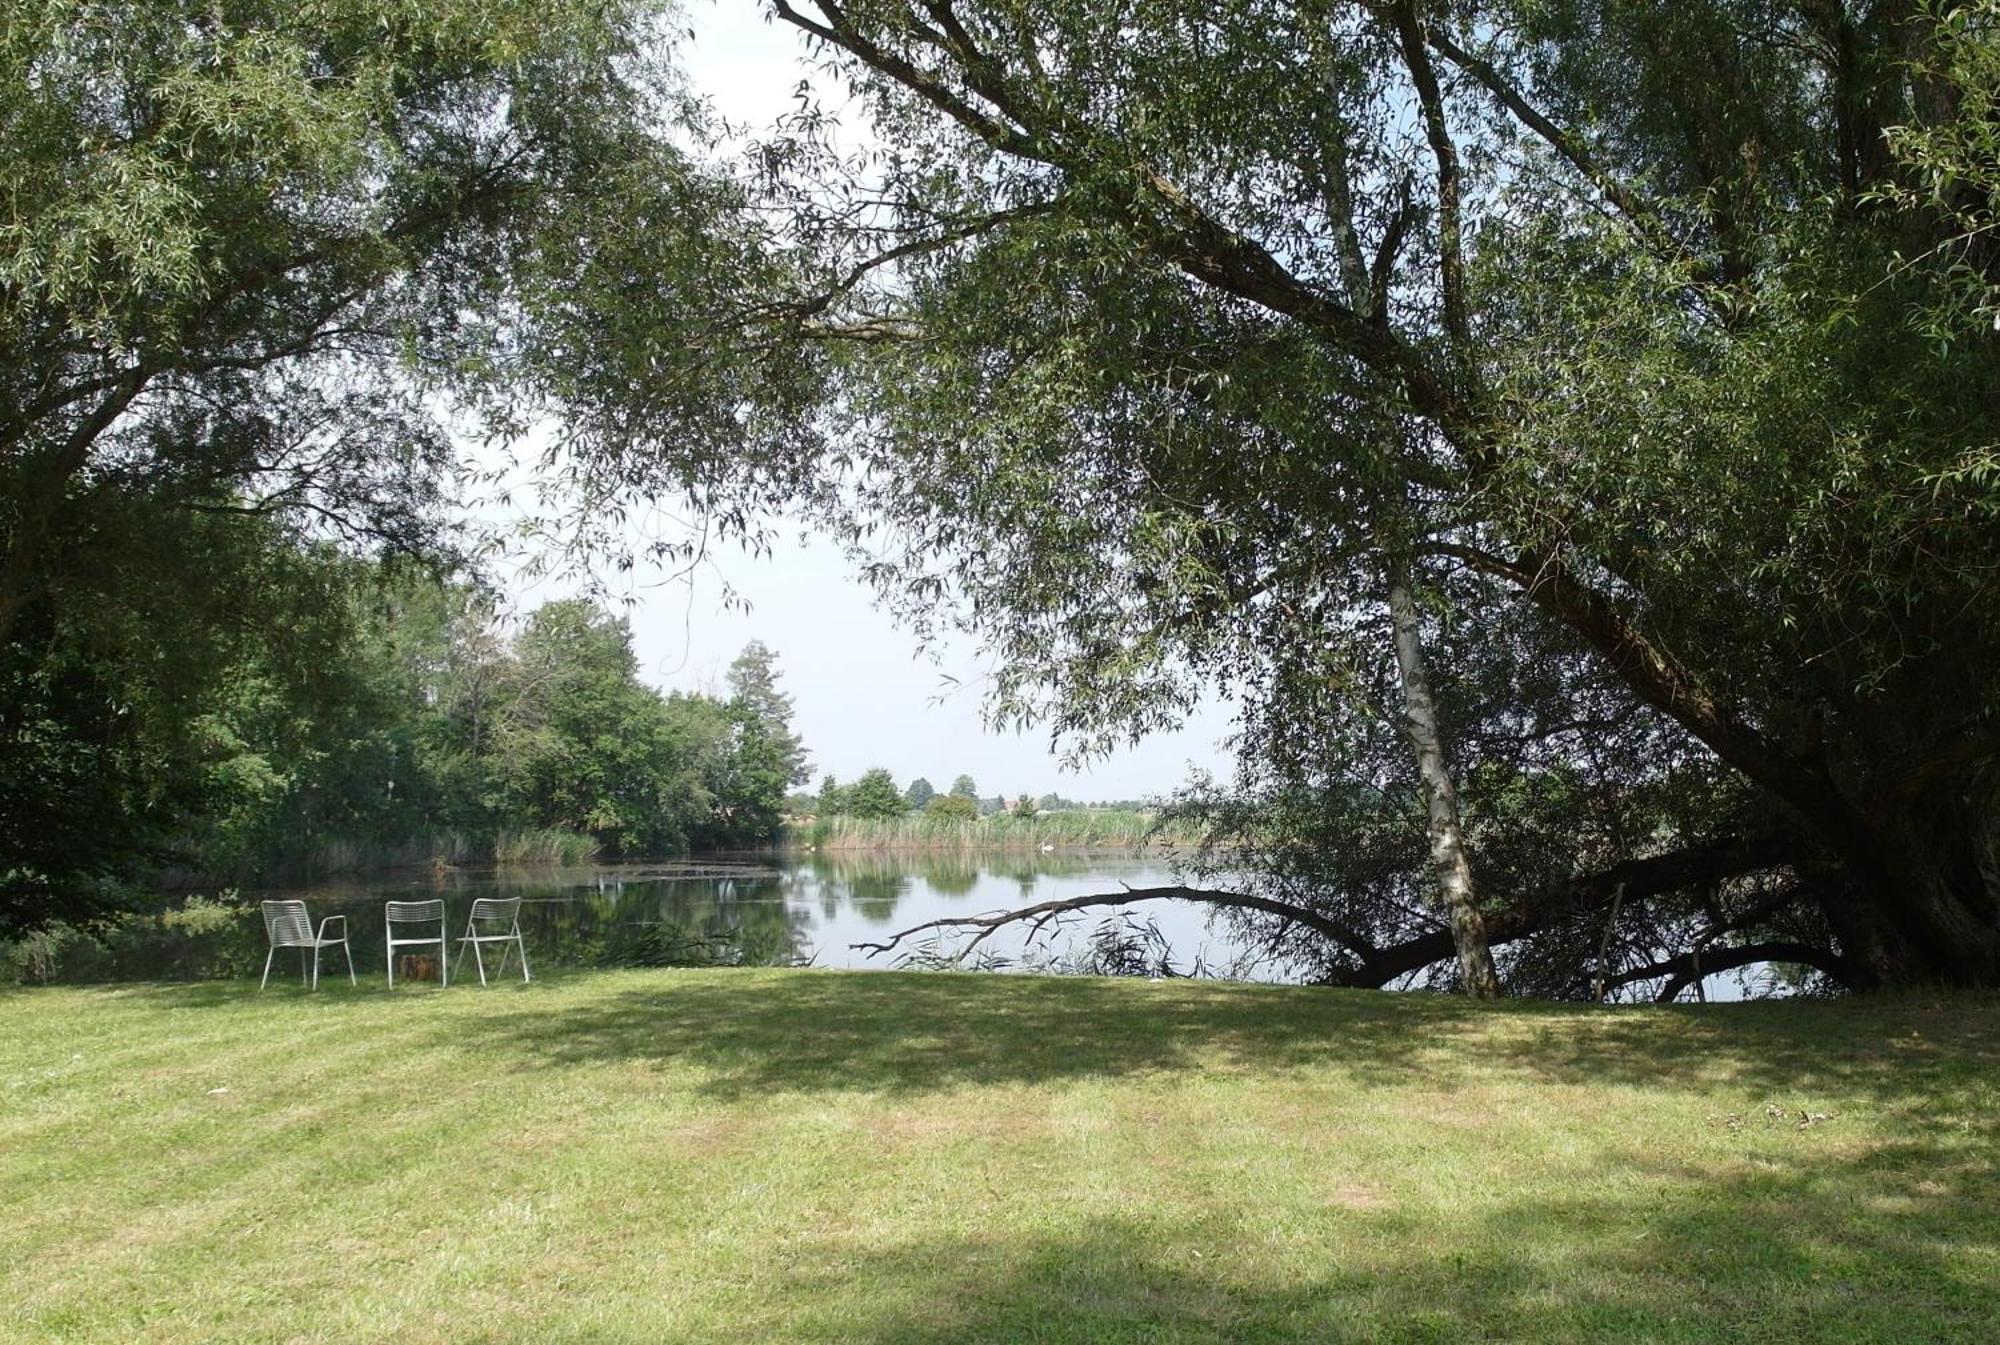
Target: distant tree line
[{"x": 875, "y": 795}]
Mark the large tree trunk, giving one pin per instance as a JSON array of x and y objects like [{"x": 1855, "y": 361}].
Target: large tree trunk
[
  {"x": 1448, "y": 855},
  {"x": 1924, "y": 903},
  {"x": 1921, "y": 899}
]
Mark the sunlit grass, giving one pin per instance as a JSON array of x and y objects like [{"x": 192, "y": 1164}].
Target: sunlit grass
[{"x": 742, "y": 1156}]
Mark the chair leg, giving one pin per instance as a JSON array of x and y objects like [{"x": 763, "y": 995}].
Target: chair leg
[
  {"x": 315, "y": 979},
  {"x": 479, "y": 961},
  {"x": 267, "y": 967},
  {"x": 522, "y": 945},
  {"x": 389, "y": 951},
  {"x": 444, "y": 963},
  {"x": 506, "y": 956},
  {"x": 348, "y": 952},
  {"x": 305, "y": 969}
]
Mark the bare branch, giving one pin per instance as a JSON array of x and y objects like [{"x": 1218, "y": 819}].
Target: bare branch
[
  {"x": 1157, "y": 211},
  {"x": 1451, "y": 243},
  {"x": 958, "y": 233},
  {"x": 1683, "y": 969},
  {"x": 1387, "y": 250},
  {"x": 840, "y": 32}
]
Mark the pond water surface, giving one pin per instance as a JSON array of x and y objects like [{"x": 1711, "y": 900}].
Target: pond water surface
[{"x": 765, "y": 910}]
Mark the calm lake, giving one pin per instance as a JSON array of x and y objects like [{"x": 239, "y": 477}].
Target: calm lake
[{"x": 768, "y": 910}]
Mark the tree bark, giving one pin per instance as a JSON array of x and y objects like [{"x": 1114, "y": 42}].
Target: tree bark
[
  {"x": 43, "y": 498},
  {"x": 1447, "y": 834},
  {"x": 1925, "y": 901}
]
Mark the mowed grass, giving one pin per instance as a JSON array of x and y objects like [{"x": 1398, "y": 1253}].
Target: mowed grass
[{"x": 737, "y": 1156}]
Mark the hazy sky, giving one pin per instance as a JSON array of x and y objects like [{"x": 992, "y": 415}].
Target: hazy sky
[{"x": 866, "y": 695}]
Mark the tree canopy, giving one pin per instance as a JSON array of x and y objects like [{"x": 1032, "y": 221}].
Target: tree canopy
[
  {"x": 875, "y": 795},
  {"x": 768, "y": 757}
]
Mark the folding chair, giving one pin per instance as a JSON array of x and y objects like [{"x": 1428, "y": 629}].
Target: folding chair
[
  {"x": 416, "y": 913},
  {"x": 287, "y": 925},
  {"x": 488, "y": 914}
]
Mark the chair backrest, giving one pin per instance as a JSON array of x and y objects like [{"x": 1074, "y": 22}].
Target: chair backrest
[
  {"x": 499, "y": 909},
  {"x": 413, "y": 912},
  {"x": 287, "y": 924}
]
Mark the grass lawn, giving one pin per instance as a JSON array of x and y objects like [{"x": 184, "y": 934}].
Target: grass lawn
[{"x": 750, "y": 1156}]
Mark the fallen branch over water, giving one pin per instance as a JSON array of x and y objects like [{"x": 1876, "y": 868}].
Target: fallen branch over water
[{"x": 1039, "y": 916}]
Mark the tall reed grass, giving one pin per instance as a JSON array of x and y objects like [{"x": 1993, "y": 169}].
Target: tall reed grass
[
  {"x": 547, "y": 846},
  {"x": 1076, "y": 829}
]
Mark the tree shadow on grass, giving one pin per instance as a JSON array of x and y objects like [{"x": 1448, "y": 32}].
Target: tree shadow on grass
[
  {"x": 900, "y": 1033},
  {"x": 1893, "y": 1246},
  {"x": 1933, "y": 1060}
]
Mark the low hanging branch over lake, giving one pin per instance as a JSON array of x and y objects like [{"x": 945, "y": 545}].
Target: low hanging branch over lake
[{"x": 1041, "y": 914}]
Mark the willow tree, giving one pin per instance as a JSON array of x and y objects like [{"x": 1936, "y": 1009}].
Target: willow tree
[{"x": 1643, "y": 324}]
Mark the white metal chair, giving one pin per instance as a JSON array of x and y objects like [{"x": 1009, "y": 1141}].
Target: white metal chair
[
  {"x": 488, "y": 915},
  {"x": 417, "y": 913},
  {"x": 287, "y": 925}
]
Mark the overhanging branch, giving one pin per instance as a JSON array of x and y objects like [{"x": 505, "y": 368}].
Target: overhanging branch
[
  {"x": 1660, "y": 679},
  {"x": 1377, "y": 966},
  {"x": 1640, "y": 880},
  {"x": 1684, "y": 969},
  {"x": 1039, "y": 915}
]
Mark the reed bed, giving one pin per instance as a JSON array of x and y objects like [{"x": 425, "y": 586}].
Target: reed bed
[
  {"x": 544, "y": 846},
  {"x": 1078, "y": 829}
]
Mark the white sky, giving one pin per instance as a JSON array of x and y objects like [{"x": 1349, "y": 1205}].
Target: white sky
[{"x": 865, "y": 694}]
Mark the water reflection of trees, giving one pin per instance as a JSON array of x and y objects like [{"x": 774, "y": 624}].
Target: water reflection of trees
[
  {"x": 670, "y": 920},
  {"x": 951, "y": 876},
  {"x": 875, "y": 896}
]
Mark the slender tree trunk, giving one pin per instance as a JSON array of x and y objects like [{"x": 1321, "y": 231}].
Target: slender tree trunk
[{"x": 1448, "y": 856}]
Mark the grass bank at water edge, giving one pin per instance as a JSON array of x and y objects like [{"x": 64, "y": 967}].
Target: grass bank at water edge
[{"x": 775, "y": 1156}]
